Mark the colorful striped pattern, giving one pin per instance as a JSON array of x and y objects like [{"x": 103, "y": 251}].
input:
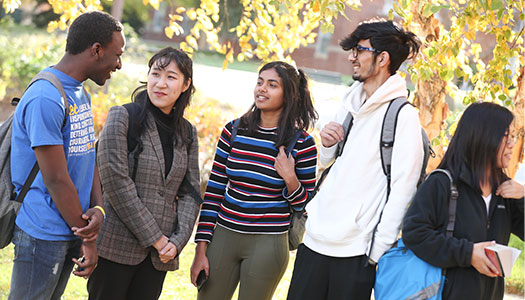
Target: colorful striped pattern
[{"x": 245, "y": 193}]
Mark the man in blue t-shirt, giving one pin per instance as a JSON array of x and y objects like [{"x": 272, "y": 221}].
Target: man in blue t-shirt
[{"x": 61, "y": 214}]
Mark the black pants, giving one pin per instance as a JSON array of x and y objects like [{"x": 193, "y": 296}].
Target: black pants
[
  {"x": 114, "y": 281},
  {"x": 317, "y": 277}
]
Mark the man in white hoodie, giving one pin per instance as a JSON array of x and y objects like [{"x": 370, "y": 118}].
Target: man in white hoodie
[{"x": 336, "y": 260}]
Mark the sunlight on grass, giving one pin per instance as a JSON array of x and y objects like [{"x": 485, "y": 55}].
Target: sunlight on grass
[{"x": 176, "y": 286}]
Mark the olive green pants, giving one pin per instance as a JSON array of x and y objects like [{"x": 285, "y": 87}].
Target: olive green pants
[{"x": 256, "y": 261}]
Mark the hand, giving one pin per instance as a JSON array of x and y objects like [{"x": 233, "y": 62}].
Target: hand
[
  {"x": 285, "y": 167},
  {"x": 161, "y": 243},
  {"x": 87, "y": 265},
  {"x": 481, "y": 262},
  {"x": 200, "y": 262},
  {"x": 89, "y": 233},
  {"x": 331, "y": 134},
  {"x": 511, "y": 189},
  {"x": 168, "y": 252}
]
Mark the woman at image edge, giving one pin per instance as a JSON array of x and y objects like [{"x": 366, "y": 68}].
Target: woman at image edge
[
  {"x": 246, "y": 209},
  {"x": 148, "y": 221},
  {"x": 489, "y": 205}
]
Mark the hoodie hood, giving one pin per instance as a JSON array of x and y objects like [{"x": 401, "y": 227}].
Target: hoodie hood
[{"x": 393, "y": 87}]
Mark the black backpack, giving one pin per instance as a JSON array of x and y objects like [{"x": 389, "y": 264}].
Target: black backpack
[
  {"x": 135, "y": 147},
  {"x": 10, "y": 202}
]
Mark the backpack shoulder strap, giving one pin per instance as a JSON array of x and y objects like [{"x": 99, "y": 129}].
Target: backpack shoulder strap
[
  {"x": 388, "y": 133},
  {"x": 453, "y": 197},
  {"x": 296, "y": 137},
  {"x": 235, "y": 128},
  {"x": 347, "y": 125},
  {"x": 186, "y": 181},
  {"x": 135, "y": 146},
  {"x": 53, "y": 79}
]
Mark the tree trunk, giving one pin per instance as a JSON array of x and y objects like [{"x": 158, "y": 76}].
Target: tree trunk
[
  {"x": 430, "y": 95},
  {"x": 519, "y": 110},
  {"x": 117, "y": 9}
]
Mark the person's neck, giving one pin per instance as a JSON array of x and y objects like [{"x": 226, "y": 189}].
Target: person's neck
[
  {"x": 371, "y": 85},
  {"x": 484, "y": 184},
  {"x": 270, "y": 119},
  {"x": 73, "y": 66}
]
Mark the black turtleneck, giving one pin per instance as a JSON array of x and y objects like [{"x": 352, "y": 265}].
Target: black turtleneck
[{"x": 166, "y": 129}]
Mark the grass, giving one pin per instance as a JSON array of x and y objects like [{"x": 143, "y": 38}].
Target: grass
[{"x": 176, "y": 286}]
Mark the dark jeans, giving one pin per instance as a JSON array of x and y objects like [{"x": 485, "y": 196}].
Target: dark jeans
[
  {"x": 114, "y": 281},
  {"x": 317, "y": 277},
  {"x": 41, "y": 268}
]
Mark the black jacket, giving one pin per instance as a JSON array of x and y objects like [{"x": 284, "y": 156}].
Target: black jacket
[{"x": 424, "y": 233}]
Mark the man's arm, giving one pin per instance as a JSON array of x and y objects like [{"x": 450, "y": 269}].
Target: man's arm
[
  {"x": 95, "y": 215},
  {"x": 53, "y": 166}
]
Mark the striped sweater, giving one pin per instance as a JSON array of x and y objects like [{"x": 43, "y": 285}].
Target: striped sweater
[{"x": 245, "y": 193}]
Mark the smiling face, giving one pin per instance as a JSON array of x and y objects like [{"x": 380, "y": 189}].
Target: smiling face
[
  {"x": 165, "y": 85},
  {"x": 505, "y": 149},
  {"x": 268, "y": 92},
  {"x": 364, "y": 65},
  {"x": 109, "y": 58}
]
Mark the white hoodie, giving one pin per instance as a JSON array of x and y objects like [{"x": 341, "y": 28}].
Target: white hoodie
[{"x": 343, "y": 214}]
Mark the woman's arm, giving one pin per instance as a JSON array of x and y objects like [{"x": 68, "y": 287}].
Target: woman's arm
[
  {"x": 424, "y": 226},
  {"x": 215, "y": 189},
  {"x": 187, "y": 206}
]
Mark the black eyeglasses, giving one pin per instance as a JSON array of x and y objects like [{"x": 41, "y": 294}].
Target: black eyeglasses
[{"x": 358, "y": 49}]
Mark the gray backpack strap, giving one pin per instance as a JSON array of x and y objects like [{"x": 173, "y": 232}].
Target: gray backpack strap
[
  {"x": 53, "y": 79},
  {"x": 388, "y": 132},
  {"x": 347, "y": 125},
  {"x": 452, "y": 201},
  {"x": 43, "y": 75}
]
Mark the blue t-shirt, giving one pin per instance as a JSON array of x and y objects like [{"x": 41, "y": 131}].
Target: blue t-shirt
[{"x": 37, "y": 122}]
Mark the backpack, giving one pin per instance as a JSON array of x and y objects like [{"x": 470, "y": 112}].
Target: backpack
[
  {"x": 10, "y": 202},
  {"x": 402, "y": 275},
  {"x": 135, "y": 147},
  {"x": 388, "y": 133},
  {"x": 297, "y": 219}
]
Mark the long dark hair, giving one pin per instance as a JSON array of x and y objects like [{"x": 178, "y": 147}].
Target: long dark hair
[
  {"x": 140, "y": 95},
  {"x": 298, "y": 110},
  {"x": 475, "y": 144}
]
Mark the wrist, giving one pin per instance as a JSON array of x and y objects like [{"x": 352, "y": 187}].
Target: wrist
[
  {"x": 101, "y": 209},
  {"x": 201, "y": 248}
]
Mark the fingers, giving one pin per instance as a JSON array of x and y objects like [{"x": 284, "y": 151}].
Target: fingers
[
  {"x": 511, "y": 189},
  {"x": 200, "y": 262},
  {"x": 168, "y": 252},
  {"x": 331, "y": 134},
  {"x": 85, "y": 266},
  {"x": 481, "y": 262}
]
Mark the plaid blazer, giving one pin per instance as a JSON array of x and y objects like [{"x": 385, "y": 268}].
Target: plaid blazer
[{"x": 139, "y": 213}]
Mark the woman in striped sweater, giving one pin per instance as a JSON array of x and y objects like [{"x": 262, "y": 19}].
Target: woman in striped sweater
[{"x": 244, "y": 220}]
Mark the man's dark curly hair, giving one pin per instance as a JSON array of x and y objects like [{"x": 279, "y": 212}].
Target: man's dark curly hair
[
  {"x": 89, "y": 28},
  {"x": 385, "y": 36}
]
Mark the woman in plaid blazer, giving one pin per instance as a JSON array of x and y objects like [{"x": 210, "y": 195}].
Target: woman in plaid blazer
[{"x": 150, "y": 219}]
